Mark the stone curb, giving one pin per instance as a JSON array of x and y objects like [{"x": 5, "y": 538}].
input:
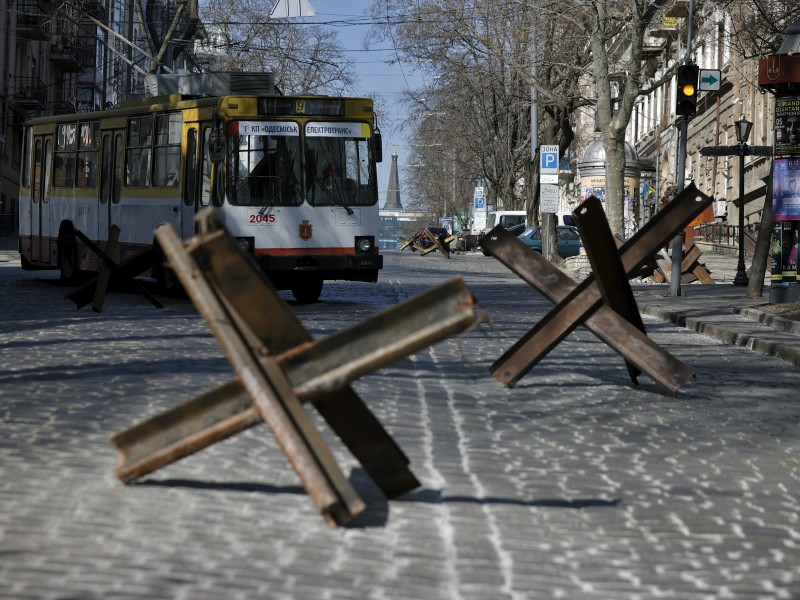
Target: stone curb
[
  {"x": 774, "y": 321},
  {"x": 706, "y": 326}
]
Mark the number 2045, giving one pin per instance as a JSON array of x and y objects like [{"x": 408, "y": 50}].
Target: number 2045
[{"x": 258, "y": 219}]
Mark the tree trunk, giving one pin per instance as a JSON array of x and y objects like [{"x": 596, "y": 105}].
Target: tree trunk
[
  {"x": 615, "y": 184},
  {"x": 755, "y": 284}
]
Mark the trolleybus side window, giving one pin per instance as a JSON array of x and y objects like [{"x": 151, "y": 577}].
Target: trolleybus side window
[
  {"x": 118, "y": 150},
  {"x": 48, "y": 151},
  {"x": 65, "y": 155},
  {"x": 88, "y": 154},
  {"x": 191, "y": 167},
  {"x": 205, "y": 198},
  {"x": 76, "y": 154},
  {"x": 26, "y": 163},
  {"x": 137, "y": 160},
  {"x": 37, "y": 170},
  {"x": 167, "y": 153},
  {"x": 105, "y": 176}
]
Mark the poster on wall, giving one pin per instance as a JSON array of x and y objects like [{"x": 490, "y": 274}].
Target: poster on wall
[
  {"x": 787, "y": 126},
  {"x": 784, "y": 252},
  {"x": 786, "y": 189}
]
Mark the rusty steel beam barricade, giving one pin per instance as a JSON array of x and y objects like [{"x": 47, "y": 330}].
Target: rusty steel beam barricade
[
  {"x": 279, "y": 366},
  {"x": 439, "y": 244},
  {"x": 113, "y": 273},
  {"x": 582, "y": 303},
  {"x": 412, "y": 242}
]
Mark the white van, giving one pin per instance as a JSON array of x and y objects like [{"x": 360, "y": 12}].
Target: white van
[
  {"x": 565, "y": 219},
  {"x": 505, "y": 218}
]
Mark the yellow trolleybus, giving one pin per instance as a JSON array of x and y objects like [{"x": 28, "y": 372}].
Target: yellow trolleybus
[{"x": 293, "y": 178}]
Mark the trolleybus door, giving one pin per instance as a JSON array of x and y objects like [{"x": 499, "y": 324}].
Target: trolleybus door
[
  {"x": 41, "y": 188},
  {"x": 191, "y": 184},
  {"x": 111, "y": 182}
]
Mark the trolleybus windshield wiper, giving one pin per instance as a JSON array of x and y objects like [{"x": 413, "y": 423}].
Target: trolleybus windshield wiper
[
  {"x": 268, "y": 203},
  {"x": 332, "y": 196}
]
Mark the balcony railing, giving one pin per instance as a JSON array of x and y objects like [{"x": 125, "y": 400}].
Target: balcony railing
[
  {"x": 30, "y": 93},
  {"x": 65, "y": 53},
  {"x": 33, "y": 19},
  {"x": 93, "y": 8}
]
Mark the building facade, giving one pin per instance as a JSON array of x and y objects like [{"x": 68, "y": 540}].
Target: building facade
[
  {"x": 67, "y": 57},
  {"x": 653, "y": 132}
]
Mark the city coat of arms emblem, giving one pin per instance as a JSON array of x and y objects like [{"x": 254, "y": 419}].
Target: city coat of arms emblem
[{"x": 306, "y": 230}]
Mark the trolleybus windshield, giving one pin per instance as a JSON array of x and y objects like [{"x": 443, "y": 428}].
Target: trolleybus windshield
[
  {"x": 338, "y": 164},
  {"x": 264, "y": 163},
  {"x": 268, "y": 165}
]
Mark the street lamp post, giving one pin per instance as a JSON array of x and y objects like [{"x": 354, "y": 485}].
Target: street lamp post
[{"x": 743, "y": 127}]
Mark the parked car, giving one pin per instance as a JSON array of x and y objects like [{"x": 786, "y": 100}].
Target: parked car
[
  {"x": 567, "y": 238},
  {"x": 466, "y": 241},
  {"x": 513, "y": 230}
]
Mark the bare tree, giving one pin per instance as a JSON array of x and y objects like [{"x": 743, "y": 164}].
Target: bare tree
[
  {"x": 304, "y": 58},
  {"x": 479, "y": 57}
]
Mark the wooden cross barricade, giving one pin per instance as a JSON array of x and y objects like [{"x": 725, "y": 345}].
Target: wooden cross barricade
[
  {"x": 603, "y": 302},
  {"x": 279, "y": 366},
  {"x": 113, "y": 273}
]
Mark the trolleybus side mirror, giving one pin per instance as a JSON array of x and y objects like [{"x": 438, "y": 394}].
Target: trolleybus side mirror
[{"x": 378, "y": 141}]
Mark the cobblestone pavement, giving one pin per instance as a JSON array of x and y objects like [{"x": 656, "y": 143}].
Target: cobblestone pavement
[{"x": 575, "y": 484}]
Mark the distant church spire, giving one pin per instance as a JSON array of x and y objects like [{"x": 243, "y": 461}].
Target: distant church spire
[{"x": 393, "y": 193}]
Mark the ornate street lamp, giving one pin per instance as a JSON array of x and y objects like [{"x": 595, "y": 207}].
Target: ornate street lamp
[{"x": 743, "y": 127}]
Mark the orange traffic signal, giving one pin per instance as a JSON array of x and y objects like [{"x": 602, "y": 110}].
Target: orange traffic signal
[{"x": 686, "y": 98}]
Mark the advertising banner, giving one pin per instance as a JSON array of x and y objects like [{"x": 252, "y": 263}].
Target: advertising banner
[
  {"x": 787, "y": 126},
  {"x": 786, "y": 189},
  {"x": 784, "y": 252}
]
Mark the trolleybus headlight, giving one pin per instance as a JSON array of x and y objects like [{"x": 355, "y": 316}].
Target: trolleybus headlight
[{"x": 364, "y": 244}]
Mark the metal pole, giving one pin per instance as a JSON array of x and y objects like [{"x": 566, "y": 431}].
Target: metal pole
[
  {"x": 677, "y": 241},
  {"x": 741, "y": 274}
]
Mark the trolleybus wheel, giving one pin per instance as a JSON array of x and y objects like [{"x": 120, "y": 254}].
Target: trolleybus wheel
[
  {"x": 68, "y": 258},
  {"x": 307, "y": 290}
]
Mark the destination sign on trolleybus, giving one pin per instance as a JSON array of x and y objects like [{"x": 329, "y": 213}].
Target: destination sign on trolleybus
[
  {"x": 337, "y": 129},
  {"x": 273, "y": 128}
]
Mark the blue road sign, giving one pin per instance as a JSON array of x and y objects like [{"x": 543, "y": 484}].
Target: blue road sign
[
  {"x": 480, "y": 203},
  {"x": 549, "y": 159}
]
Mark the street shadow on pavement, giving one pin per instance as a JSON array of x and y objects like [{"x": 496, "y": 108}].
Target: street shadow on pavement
[
  {"x": 225, "y": 486},
  {"x": 376, "y": 513},
  {"x": 436, "y": 497}
]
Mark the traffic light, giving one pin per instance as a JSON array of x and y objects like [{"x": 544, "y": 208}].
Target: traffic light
[{"x": 686, "y": 98}]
